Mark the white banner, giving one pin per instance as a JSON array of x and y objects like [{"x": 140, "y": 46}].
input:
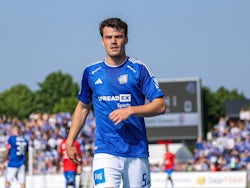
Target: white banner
[
  {"x": 181, "y": 180},
  {"x": 174, "y": 119},
  {"x": 202, "y": 179}
]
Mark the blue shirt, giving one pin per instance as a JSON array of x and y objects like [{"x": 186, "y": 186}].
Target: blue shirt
[
  {"x": 113, "y": 87},
  {"x": 18, "y": 150}
]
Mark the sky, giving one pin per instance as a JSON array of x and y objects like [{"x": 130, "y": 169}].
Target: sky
[{"x": 208, "y": 39}]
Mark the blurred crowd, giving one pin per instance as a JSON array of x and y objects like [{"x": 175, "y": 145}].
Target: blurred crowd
[
  {"x": 226, "y": 147},
  {"x": 45, "y": 133}
]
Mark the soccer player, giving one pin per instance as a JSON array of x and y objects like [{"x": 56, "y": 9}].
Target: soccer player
[
  {"x": 117, "y": 87},
  {"x": 70, "y": 168},
  {"x": 169, "y": 161},
  {"x": 17, "y": 152}
]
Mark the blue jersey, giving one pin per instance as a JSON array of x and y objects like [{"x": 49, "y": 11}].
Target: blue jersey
[
  {"x": 18, "y": 148},
  {"x": 113, "y": 87}
]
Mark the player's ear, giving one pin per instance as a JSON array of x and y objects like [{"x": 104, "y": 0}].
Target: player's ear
[
  {"x": 126, "y": 40},
  {"x": 102, "y": 42}
]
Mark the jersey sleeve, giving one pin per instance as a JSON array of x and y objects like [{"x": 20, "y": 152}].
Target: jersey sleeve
[
  {"x": 150, "y": 86},
  {"x": 85, "y": 93}
]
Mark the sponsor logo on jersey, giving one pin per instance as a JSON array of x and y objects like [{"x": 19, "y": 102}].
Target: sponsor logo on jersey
[
  {"x": 125, "y": 97},
  {"x": 121, "y": 105},
  {"x": 120, "y": 98}
]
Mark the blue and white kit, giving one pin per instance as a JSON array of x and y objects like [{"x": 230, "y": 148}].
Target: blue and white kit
[
  {"x": 133, "y": 82},
  {"x": 18, "y": 149}
]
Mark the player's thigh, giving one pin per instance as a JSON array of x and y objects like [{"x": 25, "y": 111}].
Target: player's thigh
[
  {"x": 10, "y": 173},
  {"x": 107, "y": 170},
  {"x": 21, "y": 174},
  {"x": 137, "y": 173}
]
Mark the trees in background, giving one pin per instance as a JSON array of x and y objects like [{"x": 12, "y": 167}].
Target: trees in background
[
  {"x": 18, "y": 101},
  {"x": 58, "y": 94},
  {"x": 214, "y": 104},
  {"x": 57, "y": 90}
]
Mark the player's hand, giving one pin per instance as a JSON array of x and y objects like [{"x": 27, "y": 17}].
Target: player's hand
[
  {"x": 119, "y": 115},
  {"x": 73, "y": 155}
]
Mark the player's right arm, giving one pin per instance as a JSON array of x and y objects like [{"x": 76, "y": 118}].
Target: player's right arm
[
  {"x": 155, "y": 107},
  {"x": 79, "y": 117},
  {"x": 6, "y": 152}
]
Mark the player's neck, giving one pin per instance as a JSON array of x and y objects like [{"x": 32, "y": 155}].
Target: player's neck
[{"x": 115, "y": 61}]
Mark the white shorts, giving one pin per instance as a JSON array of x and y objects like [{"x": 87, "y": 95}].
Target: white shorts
[
  {"x": 108, "y": 170},
  {"x": 13, "y": 173}
]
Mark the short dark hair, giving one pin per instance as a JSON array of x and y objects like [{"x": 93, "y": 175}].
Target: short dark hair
[{"x": 116, "y": 23}]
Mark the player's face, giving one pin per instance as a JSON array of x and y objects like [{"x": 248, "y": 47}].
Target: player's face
[{"x": 114, "y": 42}]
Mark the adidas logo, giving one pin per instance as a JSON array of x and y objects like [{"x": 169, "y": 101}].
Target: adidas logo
[{"x": 98, "y": 81}]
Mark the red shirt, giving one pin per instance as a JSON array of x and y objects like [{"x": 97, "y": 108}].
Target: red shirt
[
  {"x": 169, "y": 159},
  {"x": 68, "y": 165}
]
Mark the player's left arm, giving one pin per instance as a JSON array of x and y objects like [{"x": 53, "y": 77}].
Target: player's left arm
[{"x": 155, "y": 107}]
